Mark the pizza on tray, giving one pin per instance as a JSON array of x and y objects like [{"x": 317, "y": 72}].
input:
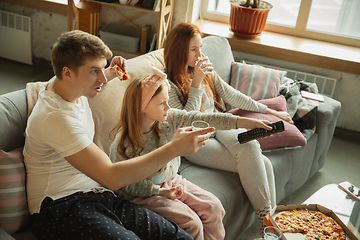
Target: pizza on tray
[
  {"x": 122, "y": 75},
  {"x": 312, "y": 224}
]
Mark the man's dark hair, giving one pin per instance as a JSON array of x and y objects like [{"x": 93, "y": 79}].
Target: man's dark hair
[{"x": 73, "y": 48}]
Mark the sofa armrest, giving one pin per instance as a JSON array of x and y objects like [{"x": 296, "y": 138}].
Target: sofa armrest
[
  {"x": 327, "y": 114},
  {"x": 328, "y": 111},
  {"x": 5, "y": 236},
  {"x": 326, "y": 118},
  {"x": 13, "y": 117}
]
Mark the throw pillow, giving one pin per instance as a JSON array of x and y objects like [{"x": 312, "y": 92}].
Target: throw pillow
[
  {"x": 14, "y": 214},
  {"x": 291, "y": 137},
  {"x": 256, "y": 81}
]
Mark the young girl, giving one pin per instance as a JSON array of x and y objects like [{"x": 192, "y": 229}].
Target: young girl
[
  {"x": 196, "y": 87},
  {"x": 146, "y": 123}
]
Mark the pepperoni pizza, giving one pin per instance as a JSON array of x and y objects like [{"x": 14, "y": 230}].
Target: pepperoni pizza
[{"x": 312, "y": 224}]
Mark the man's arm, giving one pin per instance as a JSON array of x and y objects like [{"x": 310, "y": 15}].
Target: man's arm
[{"x": 94, "y": 163}]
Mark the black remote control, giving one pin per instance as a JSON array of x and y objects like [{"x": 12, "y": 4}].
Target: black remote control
[{"x": 260, "y": 132}]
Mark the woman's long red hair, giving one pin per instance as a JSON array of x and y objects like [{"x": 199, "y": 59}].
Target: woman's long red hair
[{"x": 176, "y": 51}]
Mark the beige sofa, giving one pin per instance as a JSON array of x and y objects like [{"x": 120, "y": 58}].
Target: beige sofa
[{"x": 292, "y": 167}]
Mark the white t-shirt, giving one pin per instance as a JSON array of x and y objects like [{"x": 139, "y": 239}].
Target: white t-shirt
[{"x": 56, "y": 129}]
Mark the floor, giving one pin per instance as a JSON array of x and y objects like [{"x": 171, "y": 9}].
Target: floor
[
  {"x": 342, "y": 164},
  {"x": 15, "y": 75}
]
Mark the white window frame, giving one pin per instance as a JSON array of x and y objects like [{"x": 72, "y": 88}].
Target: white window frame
[{"x": 298, "y": 31}]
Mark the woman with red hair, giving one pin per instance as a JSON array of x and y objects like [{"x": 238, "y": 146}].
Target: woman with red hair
[{"x": 196, "y": 87}]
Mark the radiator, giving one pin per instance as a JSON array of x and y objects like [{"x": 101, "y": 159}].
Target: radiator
[
  {"x": 15, "y": 37},
  {"x": 325, "y": 85}
]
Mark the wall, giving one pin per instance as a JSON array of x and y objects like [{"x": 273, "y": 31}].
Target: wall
[{"x": 46, "y": 27}]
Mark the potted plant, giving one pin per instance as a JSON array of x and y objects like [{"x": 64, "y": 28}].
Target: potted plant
[{"x": 248, "y": 17}]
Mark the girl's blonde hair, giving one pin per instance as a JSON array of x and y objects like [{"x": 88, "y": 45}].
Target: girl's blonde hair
[{"x": 131, "y": 120}]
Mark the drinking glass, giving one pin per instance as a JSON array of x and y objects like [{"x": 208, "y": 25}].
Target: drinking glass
[
  {"x": 207, "y": 61},
  {"x": 198, "y": 124},
  {"x": 272, "y": 233}
]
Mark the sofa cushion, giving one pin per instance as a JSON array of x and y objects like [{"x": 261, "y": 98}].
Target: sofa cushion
[
  {"x": 256, "y": 81},
  {"x": 291, "y": 137},
  {"x": 215, "y": 46},
  {"x": 14, "y": 214}
]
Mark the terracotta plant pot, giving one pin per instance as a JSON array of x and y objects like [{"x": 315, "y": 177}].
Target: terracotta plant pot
[{"x": 248, "y": 20}]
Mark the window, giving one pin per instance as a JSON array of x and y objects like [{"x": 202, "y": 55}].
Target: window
[
  {"x": 328, "y": 20},
  {"x": 65, "y": 2},
  {"x": 59, "y": 1}
]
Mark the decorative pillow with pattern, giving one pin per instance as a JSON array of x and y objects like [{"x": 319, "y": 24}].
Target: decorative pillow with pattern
[
  {"x": 256, "y": 81},
  {"x": 291, "y": 137},
  {"x": 14, "y": 214}
]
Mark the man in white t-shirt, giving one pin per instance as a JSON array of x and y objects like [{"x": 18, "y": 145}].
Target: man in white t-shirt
[{"x": 69, "y": 179}]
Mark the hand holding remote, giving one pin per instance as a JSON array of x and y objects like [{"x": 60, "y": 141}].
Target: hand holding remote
[{"x": 260, "y": 132}]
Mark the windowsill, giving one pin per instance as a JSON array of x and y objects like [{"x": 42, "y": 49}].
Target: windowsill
[
  {"x": 288, "y": 48},
  {"x": 53, "y": 6},
  {"x": 273, "y": 45}
]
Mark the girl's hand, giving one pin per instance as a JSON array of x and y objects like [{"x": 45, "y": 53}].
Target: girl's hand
[
  {"x": 175, "y": 192},
  {"x": 186, "y": 141},
  {"x": 251, "y": 123},
  {"x": 202, "y": 68}
]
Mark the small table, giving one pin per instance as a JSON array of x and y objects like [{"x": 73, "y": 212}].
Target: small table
[{"x": 346, "y": 207}]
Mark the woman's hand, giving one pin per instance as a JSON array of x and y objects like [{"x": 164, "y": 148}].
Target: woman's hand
[
  {"x": 283, "y": 115},
  {"x": 110, "y": 72},
  {"x": 175, "y": 192},
  {"x": 251, "y": 123},
  {"x": 202, "y": 68}
]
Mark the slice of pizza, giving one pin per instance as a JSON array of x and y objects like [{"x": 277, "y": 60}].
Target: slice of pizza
[
  {"x": 122, "y": 75},
  {"x": 288, "y": 221}
]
